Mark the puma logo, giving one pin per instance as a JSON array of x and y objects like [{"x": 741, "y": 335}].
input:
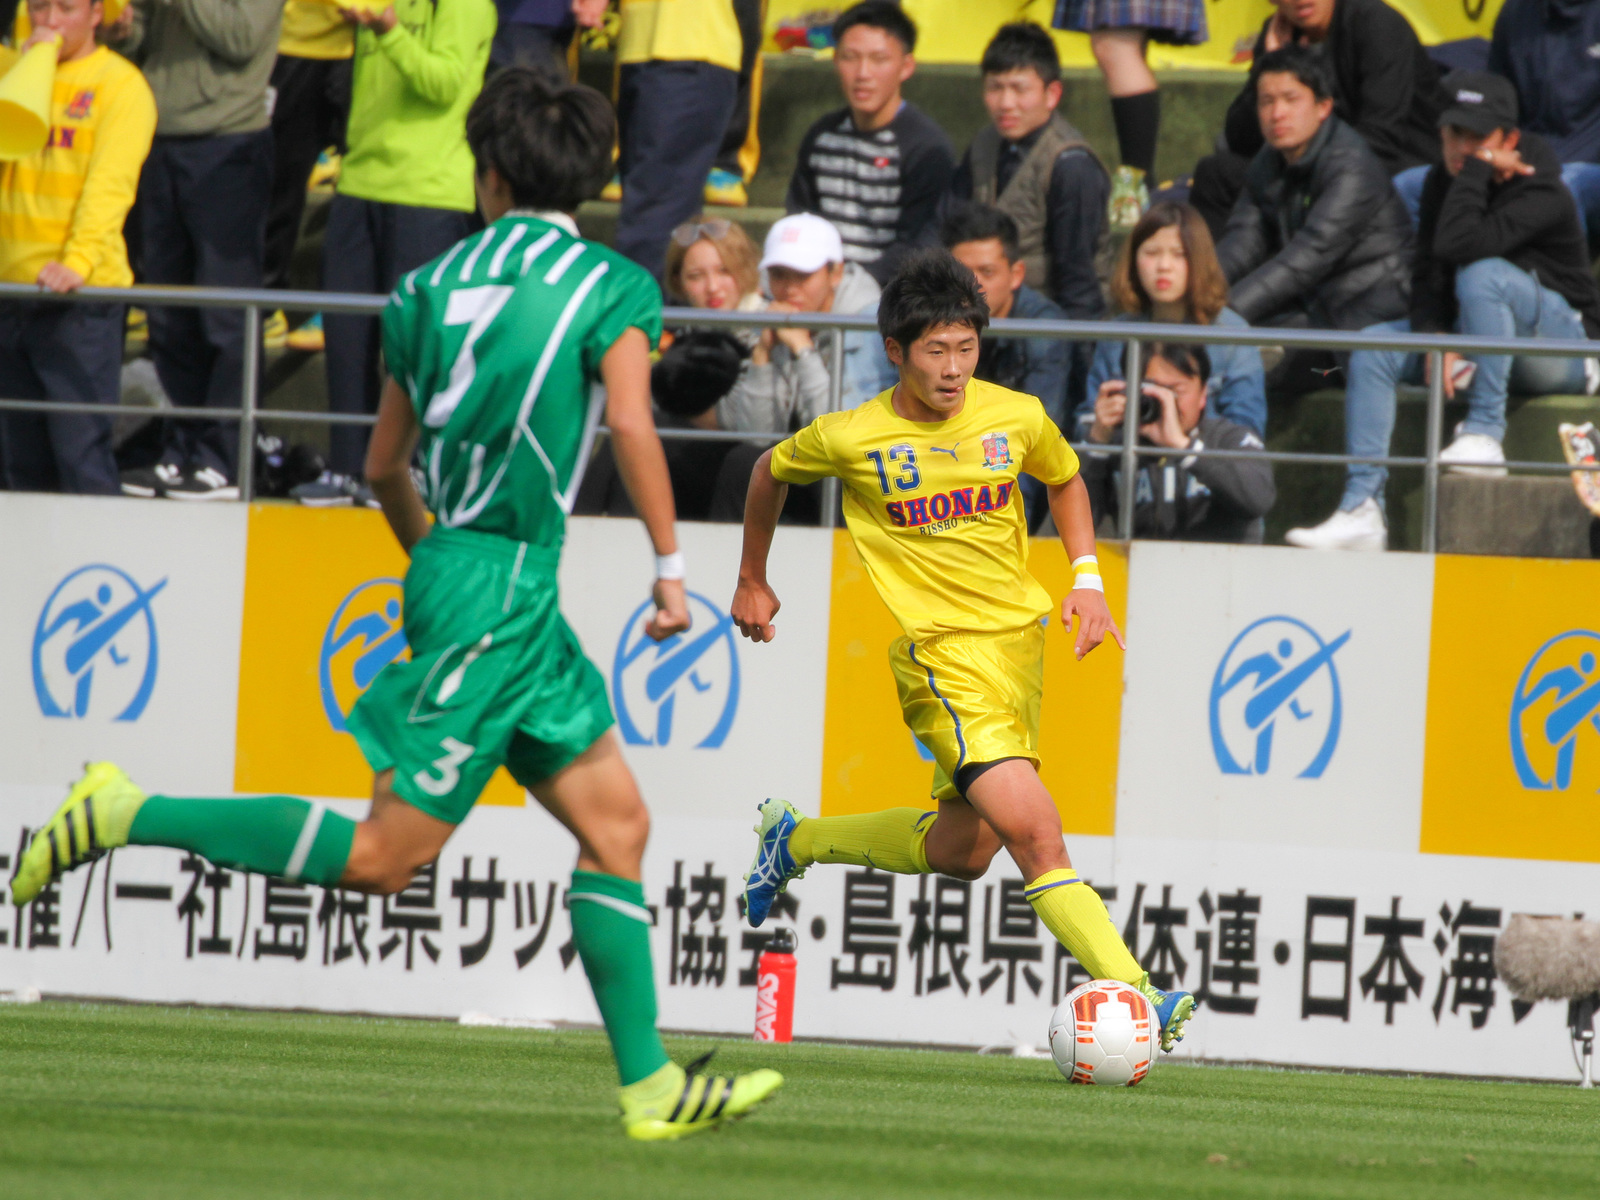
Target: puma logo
[{"x": 941, "y": 450}]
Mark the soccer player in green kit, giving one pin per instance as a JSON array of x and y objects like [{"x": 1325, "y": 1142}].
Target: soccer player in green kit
[{"x": 492, "y": 352}]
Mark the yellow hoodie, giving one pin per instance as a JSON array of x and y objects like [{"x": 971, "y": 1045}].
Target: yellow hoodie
[{"x": 67, "y": 203}]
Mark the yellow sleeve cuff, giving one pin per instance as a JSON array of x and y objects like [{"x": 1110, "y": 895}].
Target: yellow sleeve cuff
[{"x": 81, "y": 263}]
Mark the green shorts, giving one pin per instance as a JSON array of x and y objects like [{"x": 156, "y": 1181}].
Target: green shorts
[{"x": 496, "y": 676}]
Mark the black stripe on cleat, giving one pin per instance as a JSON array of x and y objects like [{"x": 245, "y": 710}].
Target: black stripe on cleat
[
  {"x": 727, "y": 1094},
  {"x": 55, "y": 853},
  {"x": 72, "y": 841},
  {"x": 88, "y": 822}
]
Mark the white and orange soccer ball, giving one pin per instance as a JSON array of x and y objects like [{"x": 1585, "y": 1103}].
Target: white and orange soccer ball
[{"x": 1104, "y": 1032}]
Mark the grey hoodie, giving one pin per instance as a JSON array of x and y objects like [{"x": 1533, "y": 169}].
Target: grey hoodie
[
  {"x": 789, "y": 392},
  {"x": 207, "y": 62}
]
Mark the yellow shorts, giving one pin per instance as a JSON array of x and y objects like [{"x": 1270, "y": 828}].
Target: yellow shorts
[{"x": 971, "y": 697}]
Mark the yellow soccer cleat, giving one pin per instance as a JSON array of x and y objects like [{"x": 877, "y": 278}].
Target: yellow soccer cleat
[
  {"x": 325, "y": 174},
  {"x": 612, "y": 192},
  {"x": 275, "y": 330},
  {"x": 309, "y": 338},
  {"x": 725, "y": 188},
  {"x": 676, "y": 1101},
  {"x": 96, "y": 817}
]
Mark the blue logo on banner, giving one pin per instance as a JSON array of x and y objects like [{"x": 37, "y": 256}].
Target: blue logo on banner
[
  {"x": 365, "y": 635},
  {"x": 96, "y": 636},
  {"x": 687, "y": 684},
  {"x": 1563, "y": 669},
  {"x": 1277, "y": 683}
]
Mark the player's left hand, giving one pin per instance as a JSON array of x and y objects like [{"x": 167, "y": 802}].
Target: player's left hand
[
  {"x": 1094, "y": 620},
  {"x": 672, "y": 610},
  {"x": 379, "y": 22},
  {"x": 57, "y": 277}
]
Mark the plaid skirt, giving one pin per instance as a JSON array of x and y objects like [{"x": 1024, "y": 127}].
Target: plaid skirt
[{"x": 1175, "y": 22}]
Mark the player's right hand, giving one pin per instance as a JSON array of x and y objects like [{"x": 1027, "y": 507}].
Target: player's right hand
[
  {"x": 672, "y": 610},
  {"x": 754, "y": 605}
]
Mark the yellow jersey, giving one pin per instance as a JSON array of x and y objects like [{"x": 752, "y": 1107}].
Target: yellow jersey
[
  {"x": 315, "y": 29},
  {"x": 934, "y": 508},
  {"x": 67, "y": 203},
  {"x": 680, "y": 31}
]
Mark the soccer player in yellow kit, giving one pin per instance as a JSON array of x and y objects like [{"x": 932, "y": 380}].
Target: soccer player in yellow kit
[{"x": 931, "y": 500}]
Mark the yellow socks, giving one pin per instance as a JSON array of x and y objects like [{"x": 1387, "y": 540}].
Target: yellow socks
[
  {"x": 1072, "y": 911},
  {"x": 892, "y": 840}
]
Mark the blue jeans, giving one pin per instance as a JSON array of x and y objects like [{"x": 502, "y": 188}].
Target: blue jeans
[
  {"x": 1582, "y": 180},
  {"x": 1496, "y": 299}
]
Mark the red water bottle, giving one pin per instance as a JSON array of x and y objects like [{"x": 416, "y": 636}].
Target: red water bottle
[{"x": 775, "y": 989}]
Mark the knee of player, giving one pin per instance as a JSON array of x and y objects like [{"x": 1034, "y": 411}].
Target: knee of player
[
  {"x": 377, "y": 865},
  {"x": 968, "y": 871}
]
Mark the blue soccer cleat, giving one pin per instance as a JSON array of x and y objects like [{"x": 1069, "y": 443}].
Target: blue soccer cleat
[
  {"x": 774, "y": 866},
  {"x": 1172, "y": 1009}
]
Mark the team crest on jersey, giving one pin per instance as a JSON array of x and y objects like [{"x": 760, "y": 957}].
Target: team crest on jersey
[
  {"x": 996, "y": 451},
  {"x": 82, "y": 101}
]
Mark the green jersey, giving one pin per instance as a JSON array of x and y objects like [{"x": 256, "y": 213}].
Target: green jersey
[{"x": 498, "y": 343}]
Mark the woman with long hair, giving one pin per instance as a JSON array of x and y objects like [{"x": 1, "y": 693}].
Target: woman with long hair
[{"x": 1168, "y": 271}]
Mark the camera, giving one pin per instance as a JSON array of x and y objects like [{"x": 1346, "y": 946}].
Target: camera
[{"x": 1149, "y": 405}]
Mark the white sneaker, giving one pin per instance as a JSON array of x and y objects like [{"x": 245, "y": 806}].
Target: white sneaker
[
  {"x": 1474, "y": 454},
  {"x": 1362, "y": 528}
]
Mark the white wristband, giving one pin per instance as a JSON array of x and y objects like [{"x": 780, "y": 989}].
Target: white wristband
[
  {"x": 1087, "y": 558},
  {"x": 1089, "y": 583},
  {"x": 669, "y": 566}
]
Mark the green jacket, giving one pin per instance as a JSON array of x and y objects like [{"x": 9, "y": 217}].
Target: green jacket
[
  {"x": 207, "y": 62},
  {"x": 410, "y": 91}
]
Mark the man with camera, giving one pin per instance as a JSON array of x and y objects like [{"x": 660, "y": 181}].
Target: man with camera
[{"x": 1178, "y": 495}]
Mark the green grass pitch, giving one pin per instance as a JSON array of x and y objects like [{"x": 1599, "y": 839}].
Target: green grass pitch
[{"x": 108, "y": 1101}]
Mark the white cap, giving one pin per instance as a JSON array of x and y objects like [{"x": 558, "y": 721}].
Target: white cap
[{"x": 802, "y": 242}]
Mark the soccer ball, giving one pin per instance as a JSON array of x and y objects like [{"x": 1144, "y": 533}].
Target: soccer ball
[{"x": 1102, "y": 1033}]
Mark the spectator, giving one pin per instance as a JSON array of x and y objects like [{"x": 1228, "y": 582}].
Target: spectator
[
  {"x": 203, "y": 200},
  {"x": 1501, "y": 255},
  {"x": 1383, "y": 84},
  {"x": 1035, "y": 167},
  {"x": 984, "y": 240},
  {"x": 1120, "y": 33},
  {"x": 310, "y": 105},
  {"x": 786, "y": 385},
  {"x": 677, "y": 87},
  {"x": 739, "y": 153},
  {"x": 1319, "y": 235},
  {"x": 1547, "y": 48},
  {"x": 61, "y": 215},
  {"x": 877, "y": 167},
  {"x": 712, "y": 263},
  {"x": 405, "y": 194},
  {"x": 1179, "y": 495},
  {"x": 538, "y": 34},
  {"x": 1168, "y": 271}
]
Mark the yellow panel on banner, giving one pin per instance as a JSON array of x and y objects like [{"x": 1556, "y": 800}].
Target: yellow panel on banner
[
  {"x": 871, "y": 761},
  {"x": 956, "y": 31},
  {"x": 321, "y": 617},
  {"x": 1513, "y": 746}
]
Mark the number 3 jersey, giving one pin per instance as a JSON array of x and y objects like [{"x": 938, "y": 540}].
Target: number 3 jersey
[
  {"x": 934, "y": 507},
  {"x": 498, "y": 344}
]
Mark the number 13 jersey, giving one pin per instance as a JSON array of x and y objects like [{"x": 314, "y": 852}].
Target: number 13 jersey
[
  {"x": 933, "y": 507},
  {"x": 498, "y": 344}
]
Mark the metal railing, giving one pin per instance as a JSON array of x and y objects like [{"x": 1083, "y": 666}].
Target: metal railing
[{"x": 1434, "y": 346}]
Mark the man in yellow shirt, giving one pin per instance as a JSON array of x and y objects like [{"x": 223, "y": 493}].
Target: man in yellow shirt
[
  {"x": 679, "y": 78},
  {"x": 930, "y": 472},
  {"x": 61, "y": 216}
]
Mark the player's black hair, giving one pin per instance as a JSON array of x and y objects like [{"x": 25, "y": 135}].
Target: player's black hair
[
  {"x": 1023, "y": 45},
  {"x": 1304, "y": 63},
  {"x": 550, "y": 142},
  {"x": 878, "y": 14},
  {"x": 930, "y": 290},
  {"x": 1190, "y": 359},
  {"x": 979, "y": 223}
]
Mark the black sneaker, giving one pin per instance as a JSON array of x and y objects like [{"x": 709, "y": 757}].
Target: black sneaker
[
  {"x": 150, "y": 483},
  {"x": 333, "y": 490},
  {"x": 207, "y": 483}
]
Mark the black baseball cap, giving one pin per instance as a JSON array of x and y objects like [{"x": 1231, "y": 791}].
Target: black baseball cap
[{"x": 1480, "y": 101}]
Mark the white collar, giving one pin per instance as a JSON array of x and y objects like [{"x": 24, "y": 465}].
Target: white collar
[{"x": 560, "y": 219}]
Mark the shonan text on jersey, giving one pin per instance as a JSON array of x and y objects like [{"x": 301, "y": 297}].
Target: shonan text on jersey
[
  {"x": 498, "y": 343},
  {"x": 934, "y": 507}
]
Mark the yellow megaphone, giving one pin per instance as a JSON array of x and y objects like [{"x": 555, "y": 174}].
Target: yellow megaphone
[{"x": 25, "y": 94}]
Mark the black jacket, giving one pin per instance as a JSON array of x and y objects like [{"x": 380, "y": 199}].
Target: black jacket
[
  {"x": 1384, "y": 84},
  {"x": 1199, "y": 499},
  {"x": 1530, "y": 221},
  {"x": 1328, "y": 234},
  {"x": 1033, "y": 366},
  {"x": 1548, "y": 49}
]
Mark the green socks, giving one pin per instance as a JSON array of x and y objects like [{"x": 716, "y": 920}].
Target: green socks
[
  {"x": 273, "y": 835},
  {"x": 611, "y": 928}
]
